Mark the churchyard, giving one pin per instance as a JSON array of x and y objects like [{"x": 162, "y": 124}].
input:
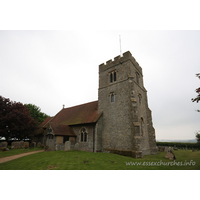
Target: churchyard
[{"x": 80, "y": 160}]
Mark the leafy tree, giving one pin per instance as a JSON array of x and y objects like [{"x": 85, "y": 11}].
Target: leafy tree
[
  {"x": 36, "y": 113},
  {"x": 197, "y": 135},
  {"x": 197, "y": 99},
  {"x": 15, "y": 120}
]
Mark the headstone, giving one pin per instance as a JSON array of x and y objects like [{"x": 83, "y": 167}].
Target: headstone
[
  {"x": 166, "y": 149},
  {"x": 76, "y": 147},
  {"x": 15, "y": 145},
  {"x": 170, "y": 155},
  {"x": 38, "y": 144},
  {"x": 26, "y": 145},
  {"x": 31, "y": 146},
  {"x": 3, "y": 144},
  {"x": 4, "y": 149},
  {"x": 21, "y": 144},
  {"x": 67, "y": 145},
  {"x": 161, "y": 148},
  {"x": 34, "y": 144}
]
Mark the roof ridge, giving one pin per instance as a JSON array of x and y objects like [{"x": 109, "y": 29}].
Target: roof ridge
[{"x": 80, "y": 104}]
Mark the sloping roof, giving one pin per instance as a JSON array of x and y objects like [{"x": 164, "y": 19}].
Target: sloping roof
[
  {"x": 81, "y": 114},
  {"x": 47, "y": 120},
  {"x": 60, "y": 129}
]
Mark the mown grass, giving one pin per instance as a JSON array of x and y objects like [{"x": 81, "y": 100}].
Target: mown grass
[
  {"x": 13, "y": 152},
  {"x": 80, "y": 160}
]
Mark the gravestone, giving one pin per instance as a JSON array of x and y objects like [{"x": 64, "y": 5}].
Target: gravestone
[
  {"x": 167, "y": 149},
  {"x": 31, "y": 146},
  {"x": 21, "y": 144},
  {"x": 76, "y": 147},
  {"x": 38, "y": 144},
  {"x": 15, "y": 145},
  {"x": 67, "y": 145},
  {"x": 3, "y": 144},
  {"x": 4, "y": 149},
  {"x": 161, "y": 148},
  {"x": 34, "y": 144},
  {"x": 26, "y": 145},
  {"x": 170, "y": 155},
  {"x": 62, "y": 146}
]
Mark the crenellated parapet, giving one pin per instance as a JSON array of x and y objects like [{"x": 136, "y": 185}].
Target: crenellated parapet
[{"x": 119, "y": 60}]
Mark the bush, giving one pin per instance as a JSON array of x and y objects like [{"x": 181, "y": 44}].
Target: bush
[{"x": 179, "y": 145}]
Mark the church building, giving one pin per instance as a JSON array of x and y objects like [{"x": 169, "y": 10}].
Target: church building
[{"x": 119, "y": 122}]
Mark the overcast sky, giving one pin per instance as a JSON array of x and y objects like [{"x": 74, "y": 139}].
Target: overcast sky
[{"x": 52, "y": 68}]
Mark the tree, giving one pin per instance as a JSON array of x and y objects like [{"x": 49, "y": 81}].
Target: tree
[
  {"x": 15, "y": 120},
  {"x": 197, "y": 99},
  {"x": 36, "y": 113}
]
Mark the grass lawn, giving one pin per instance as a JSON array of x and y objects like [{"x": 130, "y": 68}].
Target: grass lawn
[
  {"x": 13, "y": 152},
  {"x": 80, "y": 160}
]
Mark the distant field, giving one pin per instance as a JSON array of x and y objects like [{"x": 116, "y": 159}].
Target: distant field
[{"x": 80, "y": 160}]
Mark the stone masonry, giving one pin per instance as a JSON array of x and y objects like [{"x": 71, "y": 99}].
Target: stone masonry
[{"x": 127, "y": 121}]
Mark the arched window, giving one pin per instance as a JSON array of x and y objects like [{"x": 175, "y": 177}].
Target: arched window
[
  {"x": 84, "y": 135},
  {"x": 81, "y": 136},
  {"x": 112, "y": 97}
]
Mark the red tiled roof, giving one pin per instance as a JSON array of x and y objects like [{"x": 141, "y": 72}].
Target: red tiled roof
[
  {"x": 45, "y": 121},
  {"x": 81, "y": 114},
  {"x": 60, "y": 129}
]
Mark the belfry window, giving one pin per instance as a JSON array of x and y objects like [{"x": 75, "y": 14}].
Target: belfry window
[
  {"x": 84, "y": 135},
  {"x": 113, "y": 76}
]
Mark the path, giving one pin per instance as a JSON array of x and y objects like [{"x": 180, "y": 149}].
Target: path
[{"x": 8, "y": 158}]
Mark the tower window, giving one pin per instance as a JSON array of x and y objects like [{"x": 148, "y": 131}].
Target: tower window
[
  {"x": 113, "y": 76},
  {"x": 141, "y": 126},
  {"x": 112, "y": 97},
  {"x": 140, "y": 98},
  {"x": 137, "y": 78}
]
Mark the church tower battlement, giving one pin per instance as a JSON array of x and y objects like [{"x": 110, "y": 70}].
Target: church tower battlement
[{"x": 127, "y": 122}]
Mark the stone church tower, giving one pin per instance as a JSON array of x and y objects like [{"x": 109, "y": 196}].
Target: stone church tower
[{"x": 127, "y": 123}]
